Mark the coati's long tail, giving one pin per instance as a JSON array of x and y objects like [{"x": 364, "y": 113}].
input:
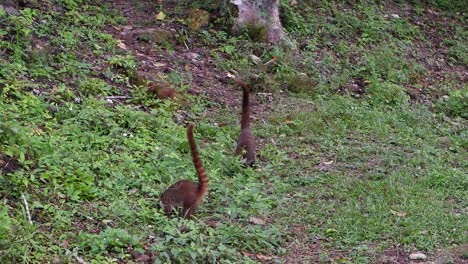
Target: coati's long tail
[
  {"x": 202, "y": 176},
  {"x": 245, "y": 120}
]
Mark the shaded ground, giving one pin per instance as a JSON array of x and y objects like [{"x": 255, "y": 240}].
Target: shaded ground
[
  {"x": 196, "y": 62},
  {"x": 8, "y": 164}
]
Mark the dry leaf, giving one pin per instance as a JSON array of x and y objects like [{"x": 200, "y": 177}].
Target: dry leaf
[
  {"x": 160, "y": 16},
  {"x": 158, "y": 64},
  {"x": 258, "y": 256},
  {"x": 122, "y": 45},
  {"x": 289, "y": 122},
  {"x": 66, "y": 244},
  {"x": 142, "y": 258},
  {"x": 263, "y": 257},
  {"x": 400, "y": 214}
]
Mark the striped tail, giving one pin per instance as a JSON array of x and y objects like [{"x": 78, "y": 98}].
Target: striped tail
[
  {"x": 202, "y": 176},
  {"x": 245, "y": 120}
]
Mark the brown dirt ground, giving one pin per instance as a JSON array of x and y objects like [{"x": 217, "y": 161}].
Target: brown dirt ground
[{"x": 8, "y": 164}]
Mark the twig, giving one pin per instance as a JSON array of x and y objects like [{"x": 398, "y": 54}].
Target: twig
[
  {"x": 8, "y": 163},
  {"x": 75, "y": 255},
  {"x": 27, "y": 207},
  {"x": 129, "y": 9},
  {"x": 118, "y": 97},
  {"x": 80, "y": 260}
]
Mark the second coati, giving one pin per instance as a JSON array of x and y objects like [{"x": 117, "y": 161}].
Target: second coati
[{"x": 246, "y": 140}]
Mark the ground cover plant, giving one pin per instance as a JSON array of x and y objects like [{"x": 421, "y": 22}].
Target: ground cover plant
[{"x": 361, "y": 132}]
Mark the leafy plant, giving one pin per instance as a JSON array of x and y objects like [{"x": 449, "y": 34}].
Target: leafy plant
[
  {"x": 93, "y": 86},
  {"x": 387, "y": 94},
  {"x": 455, "y": 104}
]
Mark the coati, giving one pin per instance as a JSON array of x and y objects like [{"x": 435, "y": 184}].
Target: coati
[
  {"x": 163, "y": 92},
  {"x": 246, "y": 140},
  {"x": 186, "y": 195}
]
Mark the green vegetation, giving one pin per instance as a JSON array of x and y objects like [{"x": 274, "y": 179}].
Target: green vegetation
[{"x": 363, "y": 146}]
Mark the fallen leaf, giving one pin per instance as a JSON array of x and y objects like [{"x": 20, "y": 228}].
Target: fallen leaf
[
  {"x": 158, "y": 64},
  {"x": 293, "y": 155},
  {"x": 341, "y": 260},
  {"x": 230, "y": 75},
  {"x": 258, "y": 256},
  {"x": 160, "y": 16},
  {"x": 400, "y": 214},
  {"x": 142, "y": 258},
  {"x": 263, "y": 257},
  {"x": 289, "y": 122},
  {"x": 122, "y": 45},
  {"x": 212, "y": 223},
  {"x": 256, "y": 220},
  {"x": 139, "y": 257}
]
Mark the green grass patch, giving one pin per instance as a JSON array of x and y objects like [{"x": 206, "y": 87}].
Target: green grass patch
[{"x": 373, "y": 174}]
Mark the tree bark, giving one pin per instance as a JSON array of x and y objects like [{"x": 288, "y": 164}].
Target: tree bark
[{"x": 260, "y": 13}]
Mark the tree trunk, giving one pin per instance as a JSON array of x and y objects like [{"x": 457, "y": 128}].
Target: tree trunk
[{"x": 260, "y": 14}]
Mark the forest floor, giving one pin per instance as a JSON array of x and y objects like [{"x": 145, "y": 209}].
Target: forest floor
[{"x": 361, "y": 134}]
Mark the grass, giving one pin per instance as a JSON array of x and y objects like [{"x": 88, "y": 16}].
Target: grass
[
  {"x": 359, "y": 171},
  {"x": 386, "y": 181}
]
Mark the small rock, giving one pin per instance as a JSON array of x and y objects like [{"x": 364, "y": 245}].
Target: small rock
[
  {"x": 149, "y": 80},
  {"x": 179, "y": 117},
  {"x": 256, "y": 220},
  {"x": 155, "y": 35},
  {"x": 198, "y": 19},
  {"x": 193, "y": 56},
  {"x": 10, "y": 10},
  {"x": 139, "y": 257},
  {"x": 109, "y": 101},
  {"x": 417, "y": 256},
  {"x": 256, "y": 60}
]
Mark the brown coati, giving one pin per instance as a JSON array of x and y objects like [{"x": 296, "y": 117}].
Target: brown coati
[
  {"x": 246, "y": 140},
  {"x": 186, "y": 195}
]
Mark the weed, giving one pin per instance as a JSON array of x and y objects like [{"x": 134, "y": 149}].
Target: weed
[
  {"x": 387, "y": 94},
  {"x": 455, "y": 103},
  {"x": 93, "y": 86}
]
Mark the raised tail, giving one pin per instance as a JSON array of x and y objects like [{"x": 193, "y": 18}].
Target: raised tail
[
  {"x": 202, "y": 176},
  {"x": 245, "y": 120}
]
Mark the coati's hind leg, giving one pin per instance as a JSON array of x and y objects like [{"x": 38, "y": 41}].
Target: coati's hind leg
[
  {"x": 241, "y": 146},
  {"x": 250, "y": 154},
  {"x": 188, "y": 211}
]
